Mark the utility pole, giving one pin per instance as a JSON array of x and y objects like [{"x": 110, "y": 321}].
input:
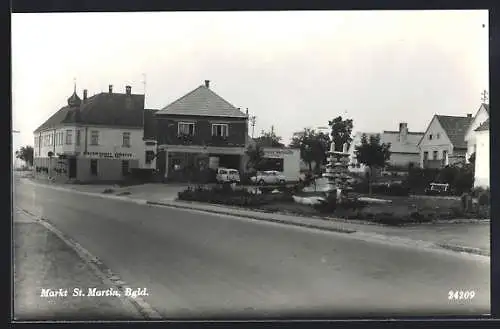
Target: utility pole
[
  {"x": 484, "y": 97},
  {"x": 252, "y": 122}
]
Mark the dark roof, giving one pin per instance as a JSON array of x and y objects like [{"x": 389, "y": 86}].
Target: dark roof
[
  {"x": 115, "y": 110},
  {"x": 455, "y": 128},
  {"x": 202, "y": 101},
  {"x": 487, "y": 107},
  {"x": 484, "y": 126},
  {"x": 150, "y": 122}
]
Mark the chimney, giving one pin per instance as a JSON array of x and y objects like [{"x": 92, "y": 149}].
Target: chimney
[
  {"x": 110, "y": 89},
  {"x": 469, "y": 115},
  {"x": 84, "y": 94},
  {"x": 128, "y": 90},
  {"x": 207, "y": 83},
  {"x": 403, "y": 132},
  {"x": 246, "y": 112}
]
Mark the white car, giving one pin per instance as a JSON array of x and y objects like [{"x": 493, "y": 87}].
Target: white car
[
  {"x": 268, "y": 177},
  {"x": 226, "y": 175}
]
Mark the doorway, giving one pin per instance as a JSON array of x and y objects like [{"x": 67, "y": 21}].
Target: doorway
[{"x": 72, "y": 168}]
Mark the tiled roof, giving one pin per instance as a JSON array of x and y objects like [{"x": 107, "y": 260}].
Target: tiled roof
[
  {"x": 202, "y": 101},
  {"x": 120, "y": 110},
  {"x": 149, "y": 124},
  {"x": 484, "y": 126},
  {"x": 455, "y": 128},
  {"x": 409, "y": 146}
]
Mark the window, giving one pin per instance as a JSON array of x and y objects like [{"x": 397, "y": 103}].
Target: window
[
  {"x": 445, "y": 155},
  {"x": 430, "y": 137},
  {"x": 69, "y": 137},
  {"x": 78, "y": 137},
  {"x": 434, "y": 155},
  {"x": 438, "y": 135},
  {"x": 125, "y": 167},
  {"x": 94, "y": 137},
  {"x": 426, "y": 156},
  {"x": 50, "y": 140},
  {"x": 93, "y": 167},
  {"x": 149, "y": 156},
  {"x": 126, "y": 139},
  {"x": 220, "y": 129},
  {"x": 186, "y": 128}
]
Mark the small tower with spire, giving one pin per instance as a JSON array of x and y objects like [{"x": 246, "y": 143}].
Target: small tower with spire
[{"x": 74, "y": 100}]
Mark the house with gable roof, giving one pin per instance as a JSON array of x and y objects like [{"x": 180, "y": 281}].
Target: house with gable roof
[
  {"x": 197, "y": 130},
  {"x": 404, "y": 147},
  {"x": 97, "y": 138},
  {"x": 443, "y": 142},
  {"x": 482, "y": 162},
  {"x": 482, "y": 115}
]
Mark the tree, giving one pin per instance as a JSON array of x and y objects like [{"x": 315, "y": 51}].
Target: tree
[
  {"x": 313, "y": 147},
  {"x": 25, "y": 153},
  {"x": 340, "y": 132},
  {"x": 255, "y": 155},
  {"x": 269, "y": 139},
  {"x": 373, "y": 155}
]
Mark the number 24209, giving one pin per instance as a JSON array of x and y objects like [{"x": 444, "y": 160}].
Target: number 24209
[{"x": 461, "y": 294}]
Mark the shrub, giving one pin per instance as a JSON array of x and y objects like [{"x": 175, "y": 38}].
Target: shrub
[
  {"x": 108, "y": 191},
  {"x": 222, "y": 194}
]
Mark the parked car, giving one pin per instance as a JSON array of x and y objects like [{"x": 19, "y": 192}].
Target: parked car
[
  {"x": 268, "y": 177},
  {"x": 227, "y": 175},
  {"x": 438, "y": 189}
]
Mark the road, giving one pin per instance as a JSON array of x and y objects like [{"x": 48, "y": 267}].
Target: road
[{"x": 198, "y": 265}]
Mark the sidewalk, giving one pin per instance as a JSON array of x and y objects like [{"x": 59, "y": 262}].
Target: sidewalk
[
  {"x": 460, "y": 236},
  {"x": 43, "y": 261}
]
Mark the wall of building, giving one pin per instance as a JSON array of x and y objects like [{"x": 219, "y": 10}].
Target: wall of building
[
  {"x": 111, "y": 140},
  {"x": 404, "y": 159},
  {"x": 107, "y": 169},
  {"x": 470, "y": 137},
  {"x": 482, "y": 169},
  {"x": 291, "y": 160},
  {"x": 148, "y": 146},
  {"x": 50, "y": 141},
  {"x": 435, "y": 144},
  {"x": 168, "y": 131}
]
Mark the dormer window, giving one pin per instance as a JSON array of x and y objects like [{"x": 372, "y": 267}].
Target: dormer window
[{"x": 430, "y": 137}]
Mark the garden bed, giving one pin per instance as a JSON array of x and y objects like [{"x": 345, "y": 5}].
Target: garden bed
[{"x": 401, "y": 211}]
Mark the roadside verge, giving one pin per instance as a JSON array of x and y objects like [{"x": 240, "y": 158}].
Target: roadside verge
[{"x": 55, "y": 278}]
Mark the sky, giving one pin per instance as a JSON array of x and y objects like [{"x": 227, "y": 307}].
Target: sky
[{"x": 291, "y": 69}]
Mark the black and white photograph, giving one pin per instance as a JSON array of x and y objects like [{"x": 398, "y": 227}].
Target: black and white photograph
[{"x": 253, "y": 165}]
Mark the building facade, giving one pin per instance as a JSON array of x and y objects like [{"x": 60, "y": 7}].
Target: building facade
[
  {"x": 470, "y": 136},
  {"x": 199, "y": 130},
  {"x": 482, "y": 162},
  {"x": 98, "y": 138},
  {"x": 443, "y": 142},
  {"x": 404, "y": 148}
]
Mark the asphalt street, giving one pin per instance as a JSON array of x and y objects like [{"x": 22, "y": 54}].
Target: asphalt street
[{"x": 199, "y": 265}]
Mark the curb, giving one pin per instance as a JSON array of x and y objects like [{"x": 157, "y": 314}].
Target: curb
[{"x": 101, "y": 271}]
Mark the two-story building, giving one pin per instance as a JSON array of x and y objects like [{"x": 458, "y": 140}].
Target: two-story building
[
  {"x": 482, "y": 115},
  {"x": 443, "y": 142},
  {"x": 197, "y": 130},
  {"x": 92, "y": 139}
]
